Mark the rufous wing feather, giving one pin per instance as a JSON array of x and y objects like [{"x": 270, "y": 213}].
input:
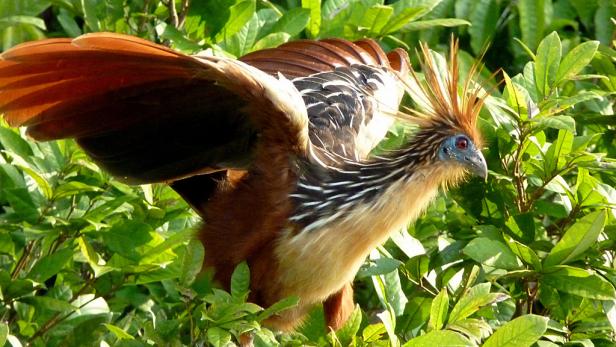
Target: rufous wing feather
[{"x": 144, "y": 112}]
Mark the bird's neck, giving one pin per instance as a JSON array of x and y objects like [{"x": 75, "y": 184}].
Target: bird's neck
[{"x": 326, "y": 194}]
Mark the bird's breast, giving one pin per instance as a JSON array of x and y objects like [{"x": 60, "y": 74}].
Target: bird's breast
[{"x": 315, "y": 264}]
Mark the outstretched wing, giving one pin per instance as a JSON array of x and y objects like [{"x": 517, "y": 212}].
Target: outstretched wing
[
  {"x": 147, "y": 113},
  {"x": 350, "y": 90},
  {"x": 144, "y": 112}
]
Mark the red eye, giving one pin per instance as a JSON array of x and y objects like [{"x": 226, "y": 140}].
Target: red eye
[{"x": 461, "y": 143}]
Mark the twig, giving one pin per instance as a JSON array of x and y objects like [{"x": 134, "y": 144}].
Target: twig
[
  {"x": 183, "y": 13},
  {"x": 21, "y": 263},
  {"x": 57, "y": 319},
  {"x": 175, "y": 21}
]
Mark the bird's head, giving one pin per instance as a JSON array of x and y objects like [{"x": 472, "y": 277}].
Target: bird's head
[
  {"x": 460, "y": 150},
  {"x": 446, "y": 112}
]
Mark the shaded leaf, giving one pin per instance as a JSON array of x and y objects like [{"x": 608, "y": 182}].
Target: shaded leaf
[
  {"x": 579, "y": 282},
  {"x": 50, "y": 265}
]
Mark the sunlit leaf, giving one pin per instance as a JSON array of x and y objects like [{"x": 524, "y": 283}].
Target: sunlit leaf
[
  {"x": 577, "y": 239},
  {"x": 441, "y": 338},
  {"x": 520, "y": 332}
]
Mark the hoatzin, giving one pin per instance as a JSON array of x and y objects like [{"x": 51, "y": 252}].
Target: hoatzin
[{"x": 272, "y": 150}]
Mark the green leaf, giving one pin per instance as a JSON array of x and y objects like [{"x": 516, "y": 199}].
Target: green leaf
[
  {"x": 239, "y": 15},
  {"x": 50, "y": 265},
  {"x": 373, "y": 332},
  {"x": 179, "y": 40},
  {"x": 89, "y": 14},
  {"x": 17, "y": 20},
  {"x": 532, "y": 21},
  {"x": 175, "y": 240},
  {"x": 4, "y": 333},
  {"x": 408, "y": 244},
  {"x": 475, "y": 329},
  {"x": 314, "y": 24},
  {"x": 271, "y": 40},
  {"x": 604, "y": 25},
  {"x": 376, "y": 17},
  {"x": 73, "y": 188},
  {"x": 92, "y": 257},
  {"x": 576, "y": 60},
  {"x": 440, "y": 338},
  {"x": 401, "y": 19},
  {"x": 68, "y": 23},
  {"x": 278, "y": 307},
  {"x": 21, "y": 202},
  {"x": 12, "y": 142},
  {"x": 474, "y": 299},
  {"x": 47, "y": 303},
  {"x": 555, "y": 157},
  {"x": 577, "y": 239},
  {"x": 525, "y": 253},
  {"x": 125, "y": 238},
  {"x": 118, "y": 332},
  {"x": 350, "y": 328},
  {"x": 240, "y": 281},
  {"x": 492, "y": 253},
  {"x": 378, "y": 266},
  {"x": 388, "y": 317},
  {"x": 243, "y": 41},
  {"x": 520, "y": 332},
  {"x": 218, "y": 337},
  {"x": 609, "y": 307},
  {"x": 292, "y": 22},
  {"x": 547, "y": 62},
  {"x": 432, "y": 23},
  {"x": 192, "y": 262},
  {"x": 484, "y": 19},
  {"x": 438, "y": 310},
  {"x": 579, "y": 282},
  {"x": 389, "y": 288},
  {"x": 554, "y": 122},
  {"x": 42, "y": 183}
]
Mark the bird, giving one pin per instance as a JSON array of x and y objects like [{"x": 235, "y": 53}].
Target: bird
[{"x": 273, "y": 150}]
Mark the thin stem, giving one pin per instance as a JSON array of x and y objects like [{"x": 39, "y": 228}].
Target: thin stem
[
  {"x": 267, "y": 3},
  {"x": 23, "y": 260},
  {"x": 175, "y": 21},
  {"x": 57, "y": 318},
  {"x": 183, "y": 12}
]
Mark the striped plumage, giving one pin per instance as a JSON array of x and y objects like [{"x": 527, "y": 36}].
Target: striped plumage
[{"x": 272, "y": 150}]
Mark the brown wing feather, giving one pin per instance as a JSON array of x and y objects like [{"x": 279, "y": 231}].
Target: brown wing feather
[
  {"x": 304, "y": 58},
  {"x": 142, "y": 111},
  {"x": 147, "y": 113}
]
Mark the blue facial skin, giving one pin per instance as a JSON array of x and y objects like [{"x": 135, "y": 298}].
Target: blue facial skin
[{"x": 462, "y": 150}]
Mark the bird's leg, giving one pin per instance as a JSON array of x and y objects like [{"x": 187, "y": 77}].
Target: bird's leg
[
  {"x": 338, "y": 307},
  {"x": 246, "y": 340}
]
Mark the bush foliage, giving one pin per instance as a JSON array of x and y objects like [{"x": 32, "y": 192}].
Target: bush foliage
[{"x": 526, "y": 258}]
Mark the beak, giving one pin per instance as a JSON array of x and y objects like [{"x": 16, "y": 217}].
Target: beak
[{"x": 476, "y": 164}]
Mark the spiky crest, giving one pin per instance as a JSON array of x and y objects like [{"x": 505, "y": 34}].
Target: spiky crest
[{"x": 438, "y": 96}]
